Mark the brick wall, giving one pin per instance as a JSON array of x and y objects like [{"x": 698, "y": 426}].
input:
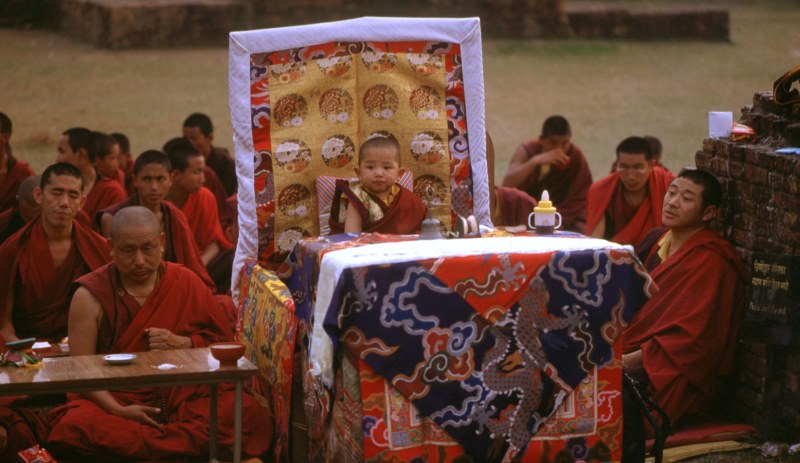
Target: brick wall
[{"x": 761, "y": 214}]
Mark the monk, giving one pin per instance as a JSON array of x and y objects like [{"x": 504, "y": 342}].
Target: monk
[
  {"x": 125, "y": 175},
  {"x": 139, "y": 303},
  {"x": 198, "y": 205},
  {"x": 376, "y": 203},
  {"x": 78, "y": 147},
  {"x": 107, "y": 157},
  {"x": 40, "y": 262},
  {"x": 12, "y": 170},
  {"x": 552, "y": 162},
  {"x": 655, "y": 146},
  {"x": 212, "y": 182},
  {"x": 508, "y": 206},
  {"x": 152, "y": 181},
  {"x": 626, "y": 204},
  {"x": 27, "y": 209},
  {"x": 683, "y": 339},
  {"x": 197, "y": 128}
]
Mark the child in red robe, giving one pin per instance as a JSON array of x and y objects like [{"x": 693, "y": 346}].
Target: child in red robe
[{"x": 376, "y": 203}]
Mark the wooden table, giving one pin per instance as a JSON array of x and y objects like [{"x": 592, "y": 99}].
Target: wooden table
[{"x": 92, "y": 373}]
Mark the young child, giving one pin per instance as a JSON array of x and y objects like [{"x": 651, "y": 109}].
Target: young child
[{"x": 376, "y": 203}]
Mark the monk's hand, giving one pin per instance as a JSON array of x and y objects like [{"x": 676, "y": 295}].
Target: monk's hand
[
  {"x": 140, "y": 414},
  {"x": 555, "y": 157},
  {"x": 164, "y": 339}
]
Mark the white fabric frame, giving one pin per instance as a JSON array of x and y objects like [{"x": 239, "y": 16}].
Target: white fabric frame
[{"x": 463, "y": 31}]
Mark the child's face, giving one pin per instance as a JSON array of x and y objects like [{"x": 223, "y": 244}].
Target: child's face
[
  {"x": 108, "y": 165},
  {"x": 379, "y": 169}
]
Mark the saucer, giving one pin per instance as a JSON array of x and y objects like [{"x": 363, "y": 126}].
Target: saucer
[{"x": 119, "y": 359}]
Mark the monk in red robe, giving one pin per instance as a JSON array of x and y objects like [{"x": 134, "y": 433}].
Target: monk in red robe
[
  {"x": 551, "y": 162},
  {"x": 40, "y": 262},
  {"x": 140, "y": 303},
  {"x": 625, "y": 205},
  {"x": 152, "y": 179},
  {"x": 12, "y": 170},
  {"x": 510, "y": 206},
  {"x": 684, "y": 337},
  {"x": 27, "y": 209},
  {"x": 199, "y": 131},
  {"x": 376, "y": 203},
  {"x": 212, "y": 181},
  {"x": 78, "y": 146},
  {"x": 125, "y": 162}
]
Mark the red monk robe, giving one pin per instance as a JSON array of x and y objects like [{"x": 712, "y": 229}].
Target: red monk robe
[
  {"x": 511, "y": 206},
  {"x": 9, "y": 183},
  {"x": 605, "y": 200},
  {"x": 180, "y": 246},
  {"x": 203, "y": 217},
  {"x": 567, "y": 185},
  {"x": 402, "y": 217},
  {"x": 105, "y": 193},
  {"x": 11, "y": 221},
  {"x": 41, "y": 302},
  {"x": 687, "y": 331},
  {"x": 182, "y": 304},
  {"x": 225, "y": 212}
]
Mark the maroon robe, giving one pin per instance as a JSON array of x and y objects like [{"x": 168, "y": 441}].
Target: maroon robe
[
  {"x": 181, "y": 303},
  {"x": 567, "y": 186},
  {"x": 513, "y": 207},
  {"x": 105, "y": 193},
  {"x": 9, "y": 184},
  {"x": 687, "y": 331},
  {"x": 226, "y": 213},
  {"x": 404, "y": 216},
  {"x": 41, "y": 298}
]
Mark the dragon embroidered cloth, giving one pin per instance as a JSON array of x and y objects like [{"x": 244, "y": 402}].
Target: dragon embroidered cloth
[{"x": 486, "y": 343}]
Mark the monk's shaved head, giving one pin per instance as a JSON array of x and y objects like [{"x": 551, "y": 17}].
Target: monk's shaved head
[
  {"x": 136, "y": 217},
  {"x": 26, "y": 187}
]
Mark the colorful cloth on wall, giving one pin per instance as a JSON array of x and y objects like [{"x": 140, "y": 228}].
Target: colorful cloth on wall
[
  {"x": 520, "y": 333},
  {"x": 304, "y": 98},
  {"x": 267, "y": 326}
]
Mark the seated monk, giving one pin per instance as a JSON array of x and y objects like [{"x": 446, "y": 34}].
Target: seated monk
[
  {"x": 12, "y": 170},
  {"x": 508, "y": 206},
  {"x": 78, "y": 146},
  {"x": 134, "y": 304},
  {"x": 212, "y": 182},
  {"x": 196, "y": 201},
  {"x": 376, "y": 203},
  {"x": 27, "y": 209},
  {"x": 625, "y": 205},
  {"x": 681, "y": 343},
  {"x": 40, "y": 262},
  {"x": 125, "y": 174},
  {"x": 152, "y": 181},
  {"x": 553, "y": 163}
]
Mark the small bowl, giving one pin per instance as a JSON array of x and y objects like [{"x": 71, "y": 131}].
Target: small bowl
[{"x": 228, "y": 353}]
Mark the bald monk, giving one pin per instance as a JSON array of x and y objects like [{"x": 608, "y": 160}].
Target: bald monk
[
  {"x": 152, "y": 181},
  {"x": 40, "y": 262},
  {"x": 626, "y": 204},
  {"x": 12, "y": 170},
  {"x": 27, "y": 209},
  {"x": 682, "y": 342},
  {"x": 78, "y": 146},
  {"x": 552, "y": 162},
  {"x": 139, "y": 303},
  {"x": 196, "y": 201}
]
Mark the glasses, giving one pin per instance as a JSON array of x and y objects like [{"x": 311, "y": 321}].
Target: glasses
[{"x": 641, "y": 169}]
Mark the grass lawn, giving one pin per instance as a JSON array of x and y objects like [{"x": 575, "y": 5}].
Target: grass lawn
[{"x": 607, "y": 89}]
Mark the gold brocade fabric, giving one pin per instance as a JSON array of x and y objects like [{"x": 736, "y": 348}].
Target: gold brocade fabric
[{"x": 323, "y": 109}]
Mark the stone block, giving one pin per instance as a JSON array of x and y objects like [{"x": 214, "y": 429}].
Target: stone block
[{"x": 152, "y": 23}]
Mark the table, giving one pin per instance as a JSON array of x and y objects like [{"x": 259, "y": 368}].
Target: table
[
  {"x": 92, "y": 373},
  {"x": 474, "y": 332}
]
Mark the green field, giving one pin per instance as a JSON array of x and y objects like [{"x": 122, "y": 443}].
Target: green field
[{"x": 607, "y": 89}]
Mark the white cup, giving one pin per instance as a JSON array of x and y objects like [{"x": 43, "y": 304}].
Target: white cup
[{"x": 544, "y": 222}]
